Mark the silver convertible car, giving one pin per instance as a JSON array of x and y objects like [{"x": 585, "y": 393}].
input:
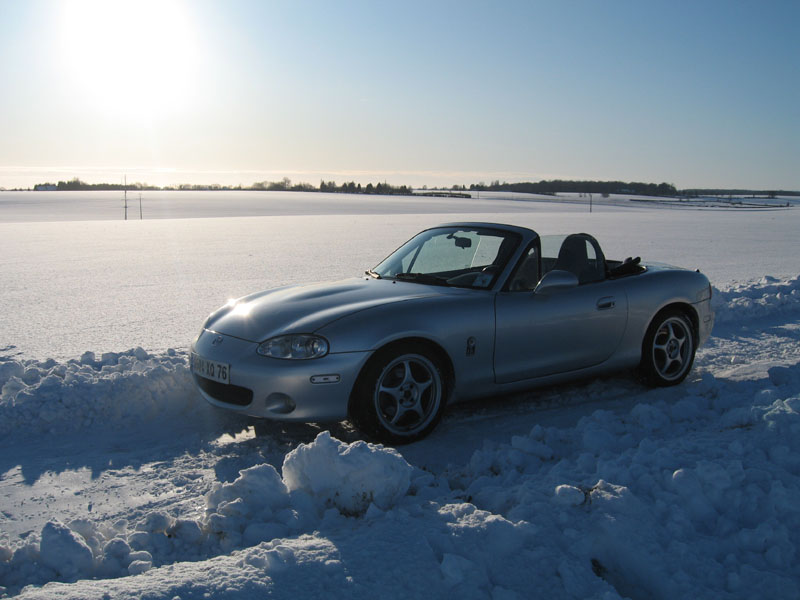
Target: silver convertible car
[{"x": 460, "y": 311}]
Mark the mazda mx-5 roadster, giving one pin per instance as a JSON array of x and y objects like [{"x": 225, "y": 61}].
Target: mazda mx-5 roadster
[{"x": 460, "y": 311}]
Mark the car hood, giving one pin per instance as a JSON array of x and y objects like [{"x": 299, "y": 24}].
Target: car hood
[{"x": 306, "y": 308}]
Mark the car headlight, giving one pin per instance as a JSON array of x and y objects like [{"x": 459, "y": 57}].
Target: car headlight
[{"x": 297, "y": 346}]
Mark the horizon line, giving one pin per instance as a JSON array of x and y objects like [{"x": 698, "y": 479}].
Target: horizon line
[
  {"x": 480, "y": 186},
  {"x": 165, "y": 177}
]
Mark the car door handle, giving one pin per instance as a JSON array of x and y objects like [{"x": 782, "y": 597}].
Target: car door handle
[{"x": 606, "y": 303}]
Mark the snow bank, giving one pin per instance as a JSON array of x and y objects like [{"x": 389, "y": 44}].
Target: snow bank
[
  {"x": 676, "y": 497},
  {"x": 255, "y": 507},
  {"x": 686, "y": 492},
  {"x": 767, "y": 297},
  {"x": 114, "y": 390},
  {"x": 673, "y": 493},
  {"x": 258, "y": 506},
  {"x": 64, "y": 551},
  {"x": 348, "y": 477}
]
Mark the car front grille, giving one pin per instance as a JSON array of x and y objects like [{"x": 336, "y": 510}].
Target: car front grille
[{"x": 227, "y": 393}]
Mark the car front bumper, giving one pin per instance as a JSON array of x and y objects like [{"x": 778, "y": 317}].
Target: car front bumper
[{"x": 288, "y": 390}]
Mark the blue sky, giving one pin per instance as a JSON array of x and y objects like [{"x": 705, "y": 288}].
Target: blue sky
[{"x": 702, "y": 93}]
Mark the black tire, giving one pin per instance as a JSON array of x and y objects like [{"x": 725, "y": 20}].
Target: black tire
[
  {"x": 668, "y": 349},
  {"x": 400, "y": 395}
]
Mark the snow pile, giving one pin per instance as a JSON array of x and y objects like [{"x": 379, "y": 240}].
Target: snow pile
[
  {"x": 64, "y": 551},
  {"x": 677, "y": 497},
  {"x": 83, "y": 549},
  {"x": 253, "y": 508},
  {"x": 348, "y": 477},
  {"x": 681, "y": 492},
  {"x": 111, "y": 391},
  {"x": 258, "y": 506},
  {"x": 684, "y": 492},
  {"x": 767, "y": 297}
]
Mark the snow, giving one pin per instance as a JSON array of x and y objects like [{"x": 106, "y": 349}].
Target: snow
[
  {"x": 116, "y": 480},
  {"x": 767, "y": 297},
  {"x": 128, "y": 387},
  {"x": 350, "y": 477},
  {"x": 64, "y": 551},
  {"x": 93, "y": 206}
]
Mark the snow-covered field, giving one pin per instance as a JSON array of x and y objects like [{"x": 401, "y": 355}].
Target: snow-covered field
[{"x": 117, "y": 481}]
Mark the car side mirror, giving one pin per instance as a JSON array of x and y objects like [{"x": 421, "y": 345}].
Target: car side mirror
[{"x": 556, "y": 280}]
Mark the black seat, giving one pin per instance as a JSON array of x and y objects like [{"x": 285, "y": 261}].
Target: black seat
[{"x": 573, "y": 257}]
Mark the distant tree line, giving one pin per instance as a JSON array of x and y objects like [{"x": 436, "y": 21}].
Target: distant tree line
[
  {"x": 551, "y": 187},
  {"x": 753, "y": 193},
  {"x": 558, "y": 186},
  {"x": 77, "y": 184},
  {"x": 284, "y": 185},
  {"x": 356, "y": 188}
]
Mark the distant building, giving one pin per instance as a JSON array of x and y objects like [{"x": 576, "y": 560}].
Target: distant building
[{"x": 45, "y": 187}]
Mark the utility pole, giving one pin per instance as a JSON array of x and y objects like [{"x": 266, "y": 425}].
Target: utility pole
[
  {"x": 590, "y": 202},
  {"x": 125, "y": 195}
]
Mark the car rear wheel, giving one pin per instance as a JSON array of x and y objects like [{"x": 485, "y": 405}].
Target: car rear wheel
[
  {"x": 668, "y": 349},
  {"x": 400, "y": 395}
]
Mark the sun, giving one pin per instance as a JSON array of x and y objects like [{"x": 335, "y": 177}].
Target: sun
[{"x": 129, "y": 57}]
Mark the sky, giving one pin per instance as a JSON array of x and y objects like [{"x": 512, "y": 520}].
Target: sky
[{"x": 695, "y": 93}]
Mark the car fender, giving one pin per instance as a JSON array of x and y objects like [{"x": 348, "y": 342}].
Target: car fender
[
  {"x": 653, "y": 291},
  {"x": 461, "y": 323}
]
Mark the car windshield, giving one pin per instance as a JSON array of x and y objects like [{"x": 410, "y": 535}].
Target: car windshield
[{"x": 453, "y": 256}]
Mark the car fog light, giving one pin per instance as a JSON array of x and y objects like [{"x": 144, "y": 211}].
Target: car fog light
[{"x": 279, "y": 403}]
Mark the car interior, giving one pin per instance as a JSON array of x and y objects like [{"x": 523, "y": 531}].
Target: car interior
[{"x": 577, "y": 253}]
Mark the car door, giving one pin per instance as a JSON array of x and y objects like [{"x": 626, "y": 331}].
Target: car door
[{"x": 539, "y": 334}]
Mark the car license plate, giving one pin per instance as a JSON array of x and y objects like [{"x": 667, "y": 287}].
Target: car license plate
[{"x": 211, "y": 369}]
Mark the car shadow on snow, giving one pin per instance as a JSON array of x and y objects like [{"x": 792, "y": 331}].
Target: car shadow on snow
[
  {"x": 467, "y": 427},
  {"x": 101, "y": 449}
]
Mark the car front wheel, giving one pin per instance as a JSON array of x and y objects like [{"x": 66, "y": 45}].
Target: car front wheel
[
  {"x": 668, "y": 349},
  {"x": 400, "y": 395}
]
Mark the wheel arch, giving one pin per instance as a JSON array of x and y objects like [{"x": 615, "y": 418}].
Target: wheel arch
[
  {"x": 443, "y": 358},
  {"x": 684, "y": 307}
]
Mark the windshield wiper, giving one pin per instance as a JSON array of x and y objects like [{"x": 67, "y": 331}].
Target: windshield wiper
[
  {"x": 372, "y": 273},
  {"x": 421, "y": 278}
]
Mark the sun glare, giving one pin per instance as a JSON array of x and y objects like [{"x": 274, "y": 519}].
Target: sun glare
[{"x": 133, "y": 58}]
